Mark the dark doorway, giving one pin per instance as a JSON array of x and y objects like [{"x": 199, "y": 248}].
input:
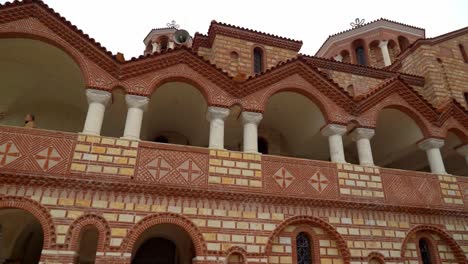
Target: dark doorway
[{"x": 156, "y": 251}]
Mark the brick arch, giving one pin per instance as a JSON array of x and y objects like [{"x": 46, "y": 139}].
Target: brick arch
[
  {"x": 37, "y": 210},
  {"x": 165, "y": 218},
  {"x": 314, "y": 221},
  {"x": 206, "y": 93},
  {"x": 77, "y": 226},
  {"x": 412, "y": 114},
  {"x": 59, "y": 44},
  {"x": 376, "y": 255},
  {"x": 456, "y": 249},
  {"x": 458, "y": 131},
  {"x": 304, "y": 92},
  {"x": 236, "y": 250}
]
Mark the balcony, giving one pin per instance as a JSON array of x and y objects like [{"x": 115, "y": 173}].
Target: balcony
[{"x": 66, "y": 159}]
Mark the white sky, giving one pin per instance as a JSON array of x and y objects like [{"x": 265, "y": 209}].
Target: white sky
[{"x": 121, "y": 25}]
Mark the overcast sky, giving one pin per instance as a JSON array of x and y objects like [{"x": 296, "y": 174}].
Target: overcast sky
[{"x": 121, "y": 25}]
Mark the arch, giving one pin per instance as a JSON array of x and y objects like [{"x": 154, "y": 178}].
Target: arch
[
  {"x": 456, "y": 249},
  {"x": 377, "y": 256},
  {"x": 165, "y": 218},
  {"x": 403, "y": 42},
  {"x": 76, "y": 227},
  {"x": 360, "y": 52},
  {"x": 258, "y": 60},
  {"x": 179, "y": 77},
  {"x": 324, "y": 110},
  {"x": 310, "y": 220},
  {"x": 59, "y": 44},
  {"x": 38, "y": 211},
  {"x": 236, "y": 250},
  {"x": 457, "y": 130},
  {"x": 346, "y": 57}
]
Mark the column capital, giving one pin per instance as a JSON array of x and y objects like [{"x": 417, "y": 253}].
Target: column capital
[
  {"x": 333, "y": 129},
  {"x": 431, "y": 143},
  {"x": 251, "y": 117},
  {"x": 383, "y": 43},
  {"x": 463, "y": 150},
  {"x": 137, "y": 101},
  {"x": 215, "y": 112},
  {"x": 98, "y": 96},
  {"x": 361, "y": 132},
  {"x": 338, "y": 58}
]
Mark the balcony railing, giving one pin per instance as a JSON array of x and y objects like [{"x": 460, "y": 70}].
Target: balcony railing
[{"x": 75, "y": 157}]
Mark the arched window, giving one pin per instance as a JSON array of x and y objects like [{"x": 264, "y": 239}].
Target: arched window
[
  {"x": 87, "y": 247},
  {"x": 163, "y": 40},
  {"x": 463, "y": 52},
  {"x": 403, "y": 43},
  {"x": 303, "y": 249},
  {"x": 361, "y": 55},
  {"x": 258, "y": 60},
  {"x": 425, "y": 251},
  {"x": 262, "y": 145}
]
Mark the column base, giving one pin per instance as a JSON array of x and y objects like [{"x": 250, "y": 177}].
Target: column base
[
  {"x": 89, "y": 133},
  {"x": 130, "y": 138}
]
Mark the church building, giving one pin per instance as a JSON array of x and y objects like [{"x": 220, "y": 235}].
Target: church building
[{"x": 231, "y": 147}]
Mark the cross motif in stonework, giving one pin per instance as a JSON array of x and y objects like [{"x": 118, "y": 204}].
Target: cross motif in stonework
[
  {"x": 48, "y": 158},
  {"x": 318, "y": 181},
  {"x": 283, "y": 178},
  {"x": 158, "y": 167},
  {"x": 189, "y": 170},
  {"x": 8, "y": 153}
]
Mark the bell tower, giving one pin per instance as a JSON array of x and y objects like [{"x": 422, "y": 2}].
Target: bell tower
[{"x": 161, "y": 39}]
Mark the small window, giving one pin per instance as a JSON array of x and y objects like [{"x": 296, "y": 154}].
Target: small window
[
  {"x": 463, "y": 53},
  {"x": 425, "y": 251},
  {"x": 262, "y": 145},
  {"x": 258, "y": 60},
  {"x": 303, "y": 249},
  {"x": 361, "y": 55}
]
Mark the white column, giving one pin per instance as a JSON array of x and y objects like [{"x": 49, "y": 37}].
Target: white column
[
  {"x": 432, "y": 147},
  {"x": 97, "y": 100},
  {"x": 463, "y": 150},
  {"x": 170, "y": 44},
  {"x": 362, "y": 138},
  {"x": 250, "y": 121},
  {"x": 334, "y": 133},
  {"x": 383, "y": 45},
  {"x": 136, "y": 106},
  {"x": 216, "y": 116},
  {"x": 156, "y": 47},
  {"x": 338, "y": 58}
]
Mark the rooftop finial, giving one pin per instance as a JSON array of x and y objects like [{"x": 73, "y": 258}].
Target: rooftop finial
[
  {"x": 358, "y": 23},
  {"x": 172, "y": 24}
]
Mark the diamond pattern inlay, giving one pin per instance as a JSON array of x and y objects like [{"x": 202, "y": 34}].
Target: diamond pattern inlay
[
  {"x": 283, "y": 177},
  {"x": 158, "y": 167},
  {"x": 8, "y": 153},
  {"x": 318, "y": 181},
  {"x": 48, "y": 158},
  {"x": 189, "y": 170}
]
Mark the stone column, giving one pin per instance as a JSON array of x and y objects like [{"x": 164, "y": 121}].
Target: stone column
[
  {"x": 97, "y": 100},
  {"x": 250, "y": 121},
  {"x": 463, "y": 150},
  {"x": 136, "y": 106},
  {"x": 432, "y": 147},
  {"x": 171, "y": 44},
  {"x": 334, "y": 133},
  {"x": 338, "y": 58},
  {"x": 383, "y": 45},
  {"x": 362, "y": 138},
  {"x": 156, "y": 47},
  {"x": 216, "y": 116}
]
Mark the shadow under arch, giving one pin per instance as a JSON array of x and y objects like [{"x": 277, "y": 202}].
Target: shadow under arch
[
  {"x": 37, "y": 210},
  {"x": 457, "y": 250},
  {"x": 165, "y": 218},
  {"x": 204, "y": 91},
  {"x": 409, "y": 112},
  {"x": 314, "y": 221}
]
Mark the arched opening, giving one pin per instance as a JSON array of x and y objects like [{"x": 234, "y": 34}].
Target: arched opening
[
  {"x": 23, "y": 234},
  {"x": 454, "y": 162},
  {"x": 235, "y": 258},
  {"x": 303, "y": 249},
  {"x": 258, "y": 65},
  {"x": 395, "y": 142},
  {"x": 43, "y": 80},
  {"x": 346, "y": 56},
  {"x": 262, "y": 145},
  {"x": 375, "y": 261},
  {"x": 164, "y": 244},
  {"x": 116, "y": 111},
  {"x": 403, "y": 42},
  {"x": 375, "y": 54},
  {"x": 177, "y": 115},
  {"x": 291, "y": 124},
  {"x": 163, "y": 42},
  {"x": 360, "y": 52},
  {"x": 393, "y": 50},
  {"x": 426, "y": 251},
  {"x": 87, "y": 248}
]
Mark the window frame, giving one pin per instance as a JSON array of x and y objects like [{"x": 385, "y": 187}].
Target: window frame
[
  {"x": 263, "y": 59},
  {"x": 434, "y": 254},
  {"x": 313, "y": 239}
]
